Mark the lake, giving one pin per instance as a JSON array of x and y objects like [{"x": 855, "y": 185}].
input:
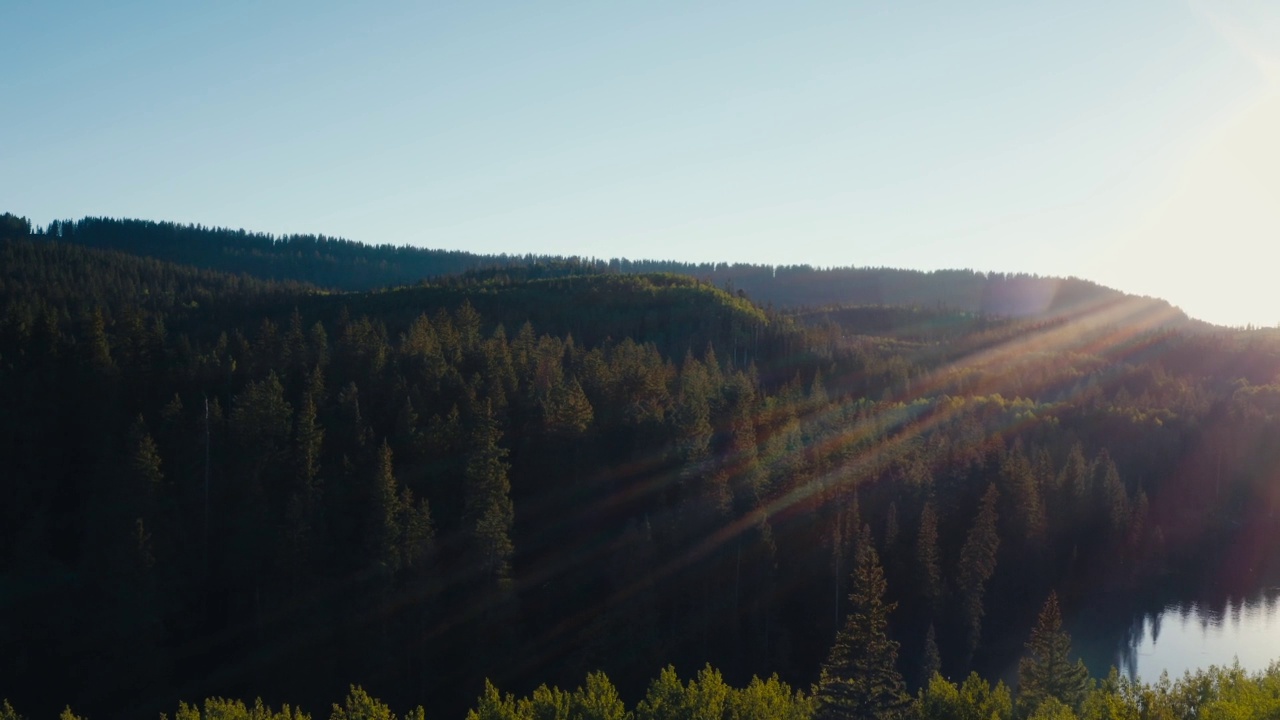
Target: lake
[{"x": 1196, "y": 634}]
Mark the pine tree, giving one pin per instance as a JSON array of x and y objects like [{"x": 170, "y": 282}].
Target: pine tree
[
  {"x": 417, "y": 530},
  {"x": 294, "y": 350},
  {"x": 145, "y": 459},
  {"x": 1024, "y": 512},
  {"x": 308, "y": 437},
  {"x": 978, "y": 564},
  {"x": 301, "y": 513},
  {"x": 384, "y": 514},
  {"x": 568, "y": 412},
  {"x": 860, "y": 678},
  {"x": 1046, "y": 670},
  {"x": 99, "y": 349},
  {"x": 930, "y": 658},
  {"x": 928, "y": 566},
  {"x": 691, "y": 418},
  {"x": 891, "y": 529},
  {"x": 597, "y": 700},
  {"x": 488, "y": 511},
  {"x": 359, "y": 705},
  {"x": 1073, "y": 485},
  {"x": 409, "y": 438},
  {"x": 1111, "y": 501}
]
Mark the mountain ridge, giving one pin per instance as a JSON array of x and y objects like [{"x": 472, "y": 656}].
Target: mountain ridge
[{"x": 341, "y": 264}]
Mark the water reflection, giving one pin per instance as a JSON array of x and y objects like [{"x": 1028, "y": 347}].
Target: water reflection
[{"x": 1187, "y": 636}]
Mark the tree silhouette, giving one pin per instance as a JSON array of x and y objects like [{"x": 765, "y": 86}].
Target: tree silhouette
[
  {"x": 860, "y": 678},
  {"x": 1046, "y": 670}
]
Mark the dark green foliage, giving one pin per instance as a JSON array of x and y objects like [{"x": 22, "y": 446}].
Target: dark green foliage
[
  {"x": 488, "y": 513},
  {"x": 974, "y": 699},
  {"x": 342, "y": 264},
  {"x": 978, "y": 564},
  {"x": 927, "y": 559},
  {"x": 930, "y": 660},
  {"x": 384, "y": 529},
  {"x": 360, "y": 706},
  {"x": 1046, "y": 671},
  {"x": 395, "y": 487},
  {"x": 860, "y": 678}
]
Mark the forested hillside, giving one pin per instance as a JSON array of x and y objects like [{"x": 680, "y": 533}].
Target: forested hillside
[
  {"x": 256, "y": 484},
  {"x": 345, "y": 265}
]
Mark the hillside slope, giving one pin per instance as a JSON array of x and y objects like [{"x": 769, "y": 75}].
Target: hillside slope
[{"x": 345, "y": 265}]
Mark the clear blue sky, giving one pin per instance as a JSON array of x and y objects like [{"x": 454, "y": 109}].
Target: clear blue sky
[{"x": 1130, "y": 143}]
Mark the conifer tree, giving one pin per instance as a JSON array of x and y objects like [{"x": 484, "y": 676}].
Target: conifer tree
[
  {"x": 494, "y": 705},
  {"x": 294, "y": 355},
  {"x": 891, "y": 529},
  {"x": 597, "y": 700},
  {"x": 489, "y": 513},
  {"x": 978, "y": 564},
  {"x": 384, "y": 514},
  {"x": 417, "y": 530},
  {"x": 1073, "y": 490},
  {"x": 692, "y": 417},
  {"x": 930, "y": 658},
  {"x": 1046, "y": 670},
  {"x": 568, "y": 412},
  {"x": 308, "y": 436},
  {"x": 409, "y": 438},
  {"x": 145, "y": 459},
  {"x": 99, "y": 349},
  {"x": 1111, "y": 501},
  {"x": 1024, "y": 514},
  {"x": 928, "y": 566},
  {"x": 860, "y": 678},
  {"x": 359, "y": 705}
]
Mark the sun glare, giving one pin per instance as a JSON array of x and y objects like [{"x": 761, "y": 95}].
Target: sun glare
[{"x": 1212, "y": 241}]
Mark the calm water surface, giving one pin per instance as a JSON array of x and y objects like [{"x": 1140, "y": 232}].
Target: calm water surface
[{"x": 1192, "y": 635}]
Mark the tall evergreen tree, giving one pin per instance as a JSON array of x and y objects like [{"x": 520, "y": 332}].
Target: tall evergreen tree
[
  {"x": 860, "y": 678},
  {"x": 384, "y": 514},
  {"x": 1046, "y": 670},
  {"x": 145, "y": 459},
  {"x": 929, "y": 570},
  {"x": 488, "y": 510},
  {"x": 978, "y": 564},
  {"x": 930, "y": 658},
  {"x": 1110, "y": 501}
]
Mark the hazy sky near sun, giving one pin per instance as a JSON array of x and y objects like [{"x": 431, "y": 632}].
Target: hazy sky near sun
[{"x": 1133, "y": 143}]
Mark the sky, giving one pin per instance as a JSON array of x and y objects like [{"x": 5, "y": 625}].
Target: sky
[{"x": 1136, "y": 144}]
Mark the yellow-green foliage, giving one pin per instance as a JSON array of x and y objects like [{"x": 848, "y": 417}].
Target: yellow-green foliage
[
  {"x": 546, "y": 703},
  {"x": 224, "y": 709},
  {"x": 359, "y": 705},
  {"x": 769, "y": 699},
  {"x": 493, "y": 705},
  {"x": 1213, "y": 694},
  {"x": 707, "y": 697},
  {"x": 1052, "y": 709},
  {"x": 597, "y": 700},
  {"x": 974, "y": 699}
]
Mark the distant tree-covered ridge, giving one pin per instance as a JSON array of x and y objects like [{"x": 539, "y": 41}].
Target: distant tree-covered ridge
[{"x": 346, "y": 265}]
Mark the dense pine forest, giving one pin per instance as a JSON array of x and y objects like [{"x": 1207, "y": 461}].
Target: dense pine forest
[{"x": 303, "y": 468}]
